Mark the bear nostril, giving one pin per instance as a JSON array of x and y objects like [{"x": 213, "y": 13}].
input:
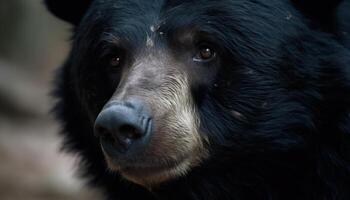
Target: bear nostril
[
  {"x": 101, "y": 131},
  {"x": 121, "y": 141},
  {"x": 104, "y": 134},
  {"x": 130, "y": 132}
]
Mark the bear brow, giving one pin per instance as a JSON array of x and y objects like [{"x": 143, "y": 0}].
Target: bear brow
[{"x": 111, "y": 38}]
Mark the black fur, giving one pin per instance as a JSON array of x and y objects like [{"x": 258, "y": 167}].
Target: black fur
[
  {"x": 286, "y": 75},
  {"x": 70, "y": 11},
  {"x": 321, "y": 13}
]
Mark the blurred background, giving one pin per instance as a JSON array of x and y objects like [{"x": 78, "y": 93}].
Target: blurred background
[{"x": 32, "y": 45}]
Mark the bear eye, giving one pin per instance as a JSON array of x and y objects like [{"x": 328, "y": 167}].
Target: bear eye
[
  {"x": 115, "y": 61},
  {"x": 204, "y": 54}
]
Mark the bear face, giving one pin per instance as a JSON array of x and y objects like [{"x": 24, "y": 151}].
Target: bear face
[
  {"x": 157, "y": 63},
  {"x": 242, "y": 94}
]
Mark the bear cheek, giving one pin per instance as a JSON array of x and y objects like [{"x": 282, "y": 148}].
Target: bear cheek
[{"x": 176, "y": 132}]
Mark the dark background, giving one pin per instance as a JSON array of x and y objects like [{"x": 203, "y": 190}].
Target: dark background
[{"x": 32, "y": 45}]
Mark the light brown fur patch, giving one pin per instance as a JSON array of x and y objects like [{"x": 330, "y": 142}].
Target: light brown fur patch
[{"x": 176, "y": 141}]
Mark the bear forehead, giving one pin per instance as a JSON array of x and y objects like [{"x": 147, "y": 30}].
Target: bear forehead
[
  {"x": 145, "y": 22},
  {"x": 159, "y": 8}
]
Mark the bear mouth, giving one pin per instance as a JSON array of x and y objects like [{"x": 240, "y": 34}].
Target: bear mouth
[
  {"x": 151, "y": 177},
  {"x": 145, "y": 172},
  {"x": 148, "y": 173}
]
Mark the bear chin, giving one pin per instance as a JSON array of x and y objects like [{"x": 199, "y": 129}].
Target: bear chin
[{"x": 150, "y": 175}]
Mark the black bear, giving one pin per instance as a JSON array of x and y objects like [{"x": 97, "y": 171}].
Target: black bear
[{"x": 208, "y": 99}]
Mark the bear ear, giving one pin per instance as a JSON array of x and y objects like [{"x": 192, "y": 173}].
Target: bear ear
[
  {"x": 322, "y": 13},
  {"x": 317, "y": 6},
  {"x": 71, "y": 11}
]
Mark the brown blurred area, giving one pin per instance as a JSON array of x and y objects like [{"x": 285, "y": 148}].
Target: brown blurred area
[{"x": 32, "y": 45}]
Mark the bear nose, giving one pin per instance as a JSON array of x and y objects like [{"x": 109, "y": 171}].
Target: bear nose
[{"x": 121, "y": 125}]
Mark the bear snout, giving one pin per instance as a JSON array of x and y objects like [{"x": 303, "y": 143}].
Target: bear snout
[{"x": 123, "y": 127}]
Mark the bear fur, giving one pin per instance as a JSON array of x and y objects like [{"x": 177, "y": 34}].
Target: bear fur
[{"x": 277, "y": 117}]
